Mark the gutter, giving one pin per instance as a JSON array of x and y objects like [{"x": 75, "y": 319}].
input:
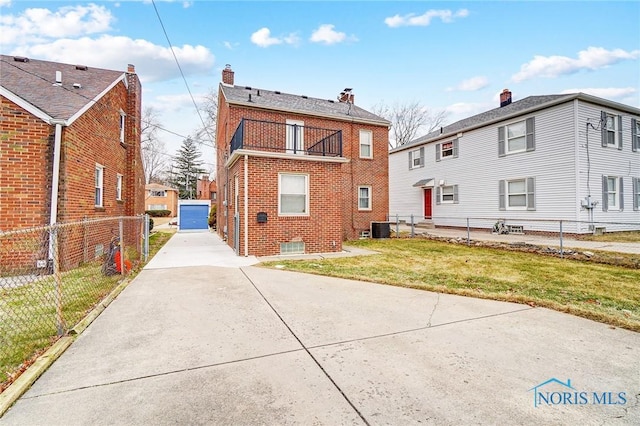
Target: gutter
[{"x": 246, "y": 206}]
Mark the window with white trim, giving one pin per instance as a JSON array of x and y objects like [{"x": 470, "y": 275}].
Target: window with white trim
[
  {"x": 366, "y": 144},
  {"x": 517, "y": 137},
  {"x": 447, "y": 150},
  {"x": 293, "y": 194},
  {"x": 517, "y": 194},
  {"x": 364, "y": 198},
  {"x": 122, "y": 121},
  {"x": 99, "y": 180},
  {"x": 416, "y": 158},
  {"x": 295, "y": 137},
  {"x": 447, "y": 194},
  {"x": 612, "y": 193},
  {"x": 611, "y": 130},
  {"x": 119, "y": 187}
]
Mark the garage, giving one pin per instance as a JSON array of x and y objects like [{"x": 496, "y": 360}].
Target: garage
[{"x": 193, "y": 215}]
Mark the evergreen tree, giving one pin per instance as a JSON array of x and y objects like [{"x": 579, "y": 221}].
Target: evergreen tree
[{"x": 186, "y": 168}]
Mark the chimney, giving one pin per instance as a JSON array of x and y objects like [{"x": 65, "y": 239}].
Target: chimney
[
  {"x": 131, "y": 68},
  {"x": 346, "y": 96},
  {"x": 227, "y": 75},
  {"x": 58, "y": 79},
  {"x": 505, "y": 98}
]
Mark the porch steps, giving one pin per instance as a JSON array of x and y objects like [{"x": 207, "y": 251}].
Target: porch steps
[{"x": 425, "y": 224}]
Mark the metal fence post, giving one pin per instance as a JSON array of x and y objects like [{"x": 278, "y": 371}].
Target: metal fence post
[
  {"x": 146, "y": 237},
  {"x": 397, "y": 225},
  {"x": 123, "y": 269},
  {"x": 561, "y": 242},
  {"x": 412, "y": 227},
  {"x": 468, "y": 232},
  {"x": 53, "y": 234}
]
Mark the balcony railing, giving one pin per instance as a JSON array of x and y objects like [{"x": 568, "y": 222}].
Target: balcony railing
[{"x": 269, "y": 136}]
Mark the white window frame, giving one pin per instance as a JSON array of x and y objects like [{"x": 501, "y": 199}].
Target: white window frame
[
  {"x": 295, "y": 135},
  {"x": 613, "y": 195},
  {"x": 451, "y": 194},
  {"x": 416, "y": 154},
  {"x": 281, "y": 194},
  {"x": 366, "y": 141},
  {"x": 98, "y": 195},
  {"x": 122, "y": 125},
  {"x": 449, "y": 150},
  {"x": 508, "y": 194},
  {"x": 508, "y": 139},
  {"x": 612, "y": 130},
  {"x": 367, "y": 199},
  {"x": 119, "y": 179}
]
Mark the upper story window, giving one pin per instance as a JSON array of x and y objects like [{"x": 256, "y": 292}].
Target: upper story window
[
  {"x": 295, "y": 137},
  {"x": 122, "y": 117},
  {"x": 611, "y": 130},
  {"x": 293, "y": 194},
  {"x": 517, "y": 194},
  {"x": 447, "y": 150},
  {"x": 612, "y": 193},
  {"x": 158, "y": 193},
  {"x": 119, "y": 187},
  {"x": 635, "y": 135},
  {"x": 517, "y": 137},
  {"x": 416, "y": 158},
  {"x": 366, "y": 144},
  {"x": 99, "y": 179}
]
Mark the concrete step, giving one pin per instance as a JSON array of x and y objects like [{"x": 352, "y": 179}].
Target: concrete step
[{"x": 425, "y": 224}]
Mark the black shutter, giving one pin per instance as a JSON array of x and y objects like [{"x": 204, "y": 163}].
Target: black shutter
[
  {"x": 605, "y": 194},
  {"x": 603, "y": 128},
  {"x": 531, "y": 136},
  {"x": 619, "y": 132},
  {"x": 501, "y": 142},
  {"x": 634, "y": 135}
]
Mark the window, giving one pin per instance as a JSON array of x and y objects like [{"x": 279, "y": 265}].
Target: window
[
  {"x": 157, "y": 207},
  {"x": 158, "y": 193},
  {"x": 293, "y": 247},
  {"x": 119, "y": 187},
  {"x": 517, "y": 194},
  {"x": 447, "y": 149},
  {"x": 612, "y": 193},
  {"x": 366, "y": 144},
  {"x": 636, "y": 194},
  {"x": 122, "y": 116},
  {"x": 635, "y": 135},
  {"x": 293, "y": 190},
  {"x": 212, "y": 195},
  {"x": 416, "y": 158},
  {"x": 295, "y": 137},
  {"x": 364, "y": 198},
  {"x": 611, "y": 130},
  {"x": 447, "y": 194},
  {"x": 517, "y": 137},
  {"x": 99, "y": 178}
]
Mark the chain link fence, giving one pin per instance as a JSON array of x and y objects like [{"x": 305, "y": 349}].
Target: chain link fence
[{"x": 51, "y": 277}]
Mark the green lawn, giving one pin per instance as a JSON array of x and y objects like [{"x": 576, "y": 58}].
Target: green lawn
[{"x": 605, "y": 293}]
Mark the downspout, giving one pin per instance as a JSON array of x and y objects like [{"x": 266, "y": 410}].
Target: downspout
[
  {"x": 246, "y": 205},
  {"x": 55, "y": 178}
]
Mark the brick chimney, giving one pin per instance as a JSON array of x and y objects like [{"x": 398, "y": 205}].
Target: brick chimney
[
  {"x": 227, "y": 75},
  {"x": 505, "y": 97},
  {"x": 131, "y": 68},
  {"x": 346, "y": 96}
]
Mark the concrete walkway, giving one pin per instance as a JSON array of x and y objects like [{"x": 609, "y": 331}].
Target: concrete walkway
[
  {"x": 193, "y": 343},
  {"x": 543, "y": 241}
]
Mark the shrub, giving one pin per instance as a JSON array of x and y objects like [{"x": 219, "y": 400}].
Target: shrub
[
  {"x": 213, "y": 217},
  {"x": 150, "y": 224},
  {"x": 158, "y": 213}
]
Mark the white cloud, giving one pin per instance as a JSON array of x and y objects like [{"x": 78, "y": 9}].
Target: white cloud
[
  {"x": 471, "y": 84},
  {"x": 605, "y": 92},
  {"x": 411, "y": 19},
  {"x": 230, "y": 45},
  {"x": 263, "y": 38},
  {"x": 326, "y": 34},
  {"x": 554, "y": 66},
  {"x": 38, "y": 24},
  {"x": 5, "y": 3},
  {"x": 153, "y": 62}
]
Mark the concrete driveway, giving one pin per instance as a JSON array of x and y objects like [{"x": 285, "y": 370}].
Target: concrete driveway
[{"x": 245, "y": 345}]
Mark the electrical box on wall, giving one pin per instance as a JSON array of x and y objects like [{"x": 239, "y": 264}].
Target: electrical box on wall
[{"x": 262, "y": 217}]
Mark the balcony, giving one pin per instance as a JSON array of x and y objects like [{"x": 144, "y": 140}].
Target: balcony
[{"x": 258, "y": 135}]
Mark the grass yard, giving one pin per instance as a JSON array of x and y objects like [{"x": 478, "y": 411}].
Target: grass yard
[
  {"x": 605, "y": 293},
  {"x": 615, "y": 237}
]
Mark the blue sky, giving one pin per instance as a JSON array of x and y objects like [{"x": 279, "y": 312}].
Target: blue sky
[{"x": 456, "y": 56}]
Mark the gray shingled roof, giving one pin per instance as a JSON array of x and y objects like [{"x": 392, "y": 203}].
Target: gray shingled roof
[
  {"x": 33, "y": 82},
  {"x": 491, "y": 116},
  {"x": 261, "y": 98}
]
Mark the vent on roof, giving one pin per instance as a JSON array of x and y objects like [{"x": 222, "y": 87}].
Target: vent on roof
[
  {"x": 305, "y": 97},
  {"x": 331, "y": 100},
  {"x": 82, "y": 67},
  {"x": 258, "y": 94},
  {"x": 58, "y": 79},
  {"x": 20, "y": 59},
  {"x": 277, "y": 92},
  {"x": 77, "y": 85},
  {"x": 247, "y": 87}
]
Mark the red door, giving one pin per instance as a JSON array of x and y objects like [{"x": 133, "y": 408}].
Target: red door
[{"x": 427, "y": 203}]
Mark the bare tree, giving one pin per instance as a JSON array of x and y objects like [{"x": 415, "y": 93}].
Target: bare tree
[
  {"x": 407, "y": 119},
  {"x": 154, "y": 151}
]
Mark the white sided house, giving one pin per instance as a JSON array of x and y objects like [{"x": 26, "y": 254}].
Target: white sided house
[{"x": 573, "y": 158}]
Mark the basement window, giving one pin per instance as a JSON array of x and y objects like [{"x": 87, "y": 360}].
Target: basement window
[{"x": 293, "y": 247}]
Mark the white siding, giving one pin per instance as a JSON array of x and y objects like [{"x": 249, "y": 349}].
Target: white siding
[{"x": 608, "y": 161}]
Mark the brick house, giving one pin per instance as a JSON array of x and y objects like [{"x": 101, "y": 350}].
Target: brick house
[
  {"x": 297, "y": 174},
  {"x": 206, "y": 189},
  {"x": 70, "y": 145},
  {"x": 161, "y": 197}
]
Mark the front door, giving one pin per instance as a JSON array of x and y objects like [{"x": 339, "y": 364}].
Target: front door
[{"x": 427, "y": 203}]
